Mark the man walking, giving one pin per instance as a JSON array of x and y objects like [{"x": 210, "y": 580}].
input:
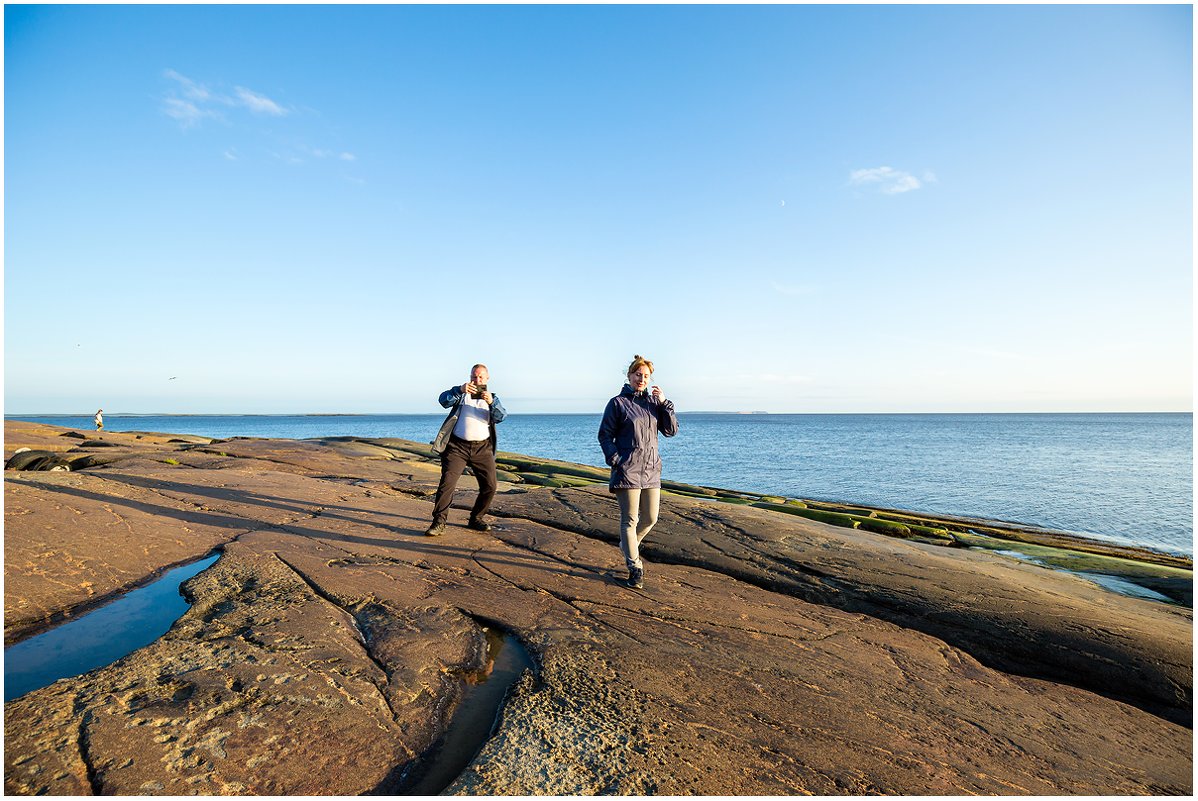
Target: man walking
[{"x": 467, "y": 438}]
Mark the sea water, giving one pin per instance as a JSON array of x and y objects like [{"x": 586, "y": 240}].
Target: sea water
[{"x": 1122, "y": 477}]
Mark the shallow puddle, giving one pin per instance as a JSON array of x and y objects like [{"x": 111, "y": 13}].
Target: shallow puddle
[
  {"x": 474, "y": 720},
  {"x": 132, "y": 621},
  {"x": 1125, "y": 587},
  {"x": 1115, "y": 584}
]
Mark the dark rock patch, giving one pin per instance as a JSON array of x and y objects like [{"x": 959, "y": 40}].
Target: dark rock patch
[{"x": 37, "y": 460}]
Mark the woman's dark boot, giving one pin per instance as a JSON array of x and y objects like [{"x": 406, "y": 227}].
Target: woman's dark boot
[{"x": 636, "y": 578}]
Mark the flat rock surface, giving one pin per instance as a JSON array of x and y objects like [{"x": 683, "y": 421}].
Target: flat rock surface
[
  {"x": 1009, "y": 614},
  {"x": 326, "y": 650}
]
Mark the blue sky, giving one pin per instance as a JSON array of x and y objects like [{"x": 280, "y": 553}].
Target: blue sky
[{"x": 302, "y": 209}]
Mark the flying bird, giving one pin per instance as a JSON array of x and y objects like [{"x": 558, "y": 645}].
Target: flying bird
[{"x": 172, "y": 378}]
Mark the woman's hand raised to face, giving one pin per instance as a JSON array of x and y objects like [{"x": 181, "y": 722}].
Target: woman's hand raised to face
[{"x": 658, "y": 395}]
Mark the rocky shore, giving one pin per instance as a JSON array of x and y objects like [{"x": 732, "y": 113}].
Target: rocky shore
[{"x": 779, "y": 646}]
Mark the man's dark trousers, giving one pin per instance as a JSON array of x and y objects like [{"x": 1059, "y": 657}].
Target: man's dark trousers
[{"x": 481, "y": 459}]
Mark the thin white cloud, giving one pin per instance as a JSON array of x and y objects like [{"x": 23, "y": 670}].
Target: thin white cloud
[
  {"x": 321, "y": 153},
  {"x": 189, "y": 101},
  {"x": 190, "y": 88},
  {"x": 287, "y": 158},
  {"x": 259, "y": 104},
  {"x": 185, "y": 112},
  {"x": 888, "y": 180}
]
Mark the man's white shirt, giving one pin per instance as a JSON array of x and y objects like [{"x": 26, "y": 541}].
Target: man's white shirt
[{"x": 474, "y": 420}]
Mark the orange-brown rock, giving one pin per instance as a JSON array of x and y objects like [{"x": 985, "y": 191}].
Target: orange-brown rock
[{"x": 325, "y": 650}]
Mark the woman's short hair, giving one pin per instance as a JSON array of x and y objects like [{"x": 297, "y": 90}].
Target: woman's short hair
[{"x": 637, "y": 362}]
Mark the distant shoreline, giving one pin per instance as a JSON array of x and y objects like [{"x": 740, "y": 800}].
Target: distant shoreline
[{"x": 58, "y": 415}]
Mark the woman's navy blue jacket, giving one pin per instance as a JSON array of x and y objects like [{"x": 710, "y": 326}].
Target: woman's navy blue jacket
[{"x": 628, "y": 436}]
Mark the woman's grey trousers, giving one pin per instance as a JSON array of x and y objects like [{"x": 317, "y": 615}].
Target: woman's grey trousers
[{"x": 638, "y": 514}]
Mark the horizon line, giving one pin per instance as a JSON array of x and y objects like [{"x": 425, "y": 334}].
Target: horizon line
[{"x": 738, "y": 413}]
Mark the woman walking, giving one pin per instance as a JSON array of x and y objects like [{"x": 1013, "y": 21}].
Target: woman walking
[{"x": 628, "y": 436}]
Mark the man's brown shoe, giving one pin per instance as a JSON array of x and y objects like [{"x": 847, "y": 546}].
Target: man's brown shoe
[
  {"x": 435, "y": 530},
  {"x": 478, "y": 525}
]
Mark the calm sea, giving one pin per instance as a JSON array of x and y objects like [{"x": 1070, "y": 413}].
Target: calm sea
[{"x": 1122, "y": 477}]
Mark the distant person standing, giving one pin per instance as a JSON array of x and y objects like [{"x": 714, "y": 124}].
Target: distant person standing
[
  {"x": 99, "y": 419},
  {"x": 628, "y": 436},
  {"x": 467, "y": 438}
]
